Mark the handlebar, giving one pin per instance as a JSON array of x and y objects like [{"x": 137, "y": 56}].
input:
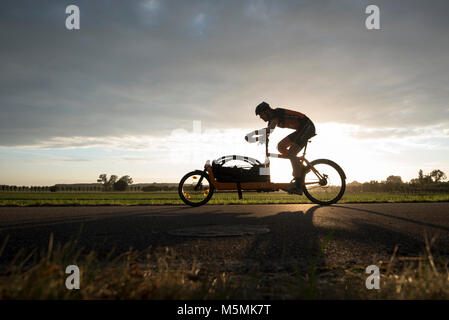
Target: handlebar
[{"x": 261, "y": 136}]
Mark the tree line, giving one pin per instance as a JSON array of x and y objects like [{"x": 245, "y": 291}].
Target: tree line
[
  {"x": 432, "y": 182},
  {"x": 114, "y": 183},
  {"x": 103, "y": 183}
]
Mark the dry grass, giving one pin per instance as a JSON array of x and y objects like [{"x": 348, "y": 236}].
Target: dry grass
[{"x": 162, "y": 275}]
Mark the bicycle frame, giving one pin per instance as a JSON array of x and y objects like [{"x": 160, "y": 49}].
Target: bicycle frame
[{"x": 259, "y": 186}]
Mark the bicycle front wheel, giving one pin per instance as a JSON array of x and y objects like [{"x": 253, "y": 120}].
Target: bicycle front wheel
[
  {"x": 324, "y": 182},
  {"x": 195, "y": 188}
]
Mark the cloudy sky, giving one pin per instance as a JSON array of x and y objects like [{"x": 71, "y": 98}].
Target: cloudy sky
[{"x": 154, "y": 88}]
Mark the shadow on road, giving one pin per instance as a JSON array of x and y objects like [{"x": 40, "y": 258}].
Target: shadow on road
[
  {"x": 395, "y": 217},
  {"x": 292, "y": 235},
  {"x": 292, "y": 245},
  {"x": 293, "y": 242}
]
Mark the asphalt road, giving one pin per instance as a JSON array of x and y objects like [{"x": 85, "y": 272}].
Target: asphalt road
[{"x": 235, "y": 237}]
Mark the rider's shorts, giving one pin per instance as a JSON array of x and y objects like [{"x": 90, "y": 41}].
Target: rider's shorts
[{"x": 302, "y": 135}]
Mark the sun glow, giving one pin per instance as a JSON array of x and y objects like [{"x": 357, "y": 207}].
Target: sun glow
[
  {"x": 363, "y": 154},
  {"x": 362, "y": 158}
]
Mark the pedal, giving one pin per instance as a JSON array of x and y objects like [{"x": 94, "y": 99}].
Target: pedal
[{"x": 293, "y": 190}]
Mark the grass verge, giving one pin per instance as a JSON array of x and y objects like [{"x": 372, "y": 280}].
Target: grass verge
[
  {"x": 171, "y": 198},
  {"x": 162, "y": 275}
]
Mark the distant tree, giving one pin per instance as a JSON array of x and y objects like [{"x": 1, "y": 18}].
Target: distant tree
[
  {"x": 120, "y": 185},
  {"x": 112, "y": 179},
  {"x": 437, "y": 175},
  {"x": 123, "y": 183},
  {"x": 103, "y": 178},
  {"x": 420, "y": 176},
  {"x": 423, "y": 179},
  {"x": 394, "y": 179},
  {"x": 108, "y": 184},
  {"x": 113, "y": 183}
]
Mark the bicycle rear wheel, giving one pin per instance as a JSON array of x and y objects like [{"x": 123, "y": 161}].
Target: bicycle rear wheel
[
  {"x": 195, "y": 188},
  {"x": 324, "y": 182}
]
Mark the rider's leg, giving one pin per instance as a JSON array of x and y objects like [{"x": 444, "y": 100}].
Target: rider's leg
[
  {"x": 284, "y": 144},
  {"x": 298, "y": 140},
  {"x": 292, "y": 155},
  {"x": 296, "y": 165},
  {"x": 289, "y": 148}
]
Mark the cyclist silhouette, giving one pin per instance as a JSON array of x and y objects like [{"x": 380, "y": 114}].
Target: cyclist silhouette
[
  {"x": 322, "y": 180},
  {"x": 292, "y": 144}
]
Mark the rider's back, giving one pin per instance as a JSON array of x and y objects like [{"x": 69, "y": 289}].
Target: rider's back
[{"x": 289, "y": 118}]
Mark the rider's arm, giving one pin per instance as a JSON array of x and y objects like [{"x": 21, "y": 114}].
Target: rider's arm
[{"x": 272, "y": 124}]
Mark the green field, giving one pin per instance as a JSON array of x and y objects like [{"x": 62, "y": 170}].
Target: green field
[{"x": 172, "y": 198}]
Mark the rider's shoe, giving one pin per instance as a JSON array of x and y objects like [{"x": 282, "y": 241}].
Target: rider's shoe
[{"x": 293, "y": 189}]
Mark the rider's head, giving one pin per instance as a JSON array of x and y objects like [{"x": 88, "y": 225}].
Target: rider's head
[{"x": 263, "y": 110}]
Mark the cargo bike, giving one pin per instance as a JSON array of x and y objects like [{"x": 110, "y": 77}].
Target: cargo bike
[{"x": 323, "y": 181}]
